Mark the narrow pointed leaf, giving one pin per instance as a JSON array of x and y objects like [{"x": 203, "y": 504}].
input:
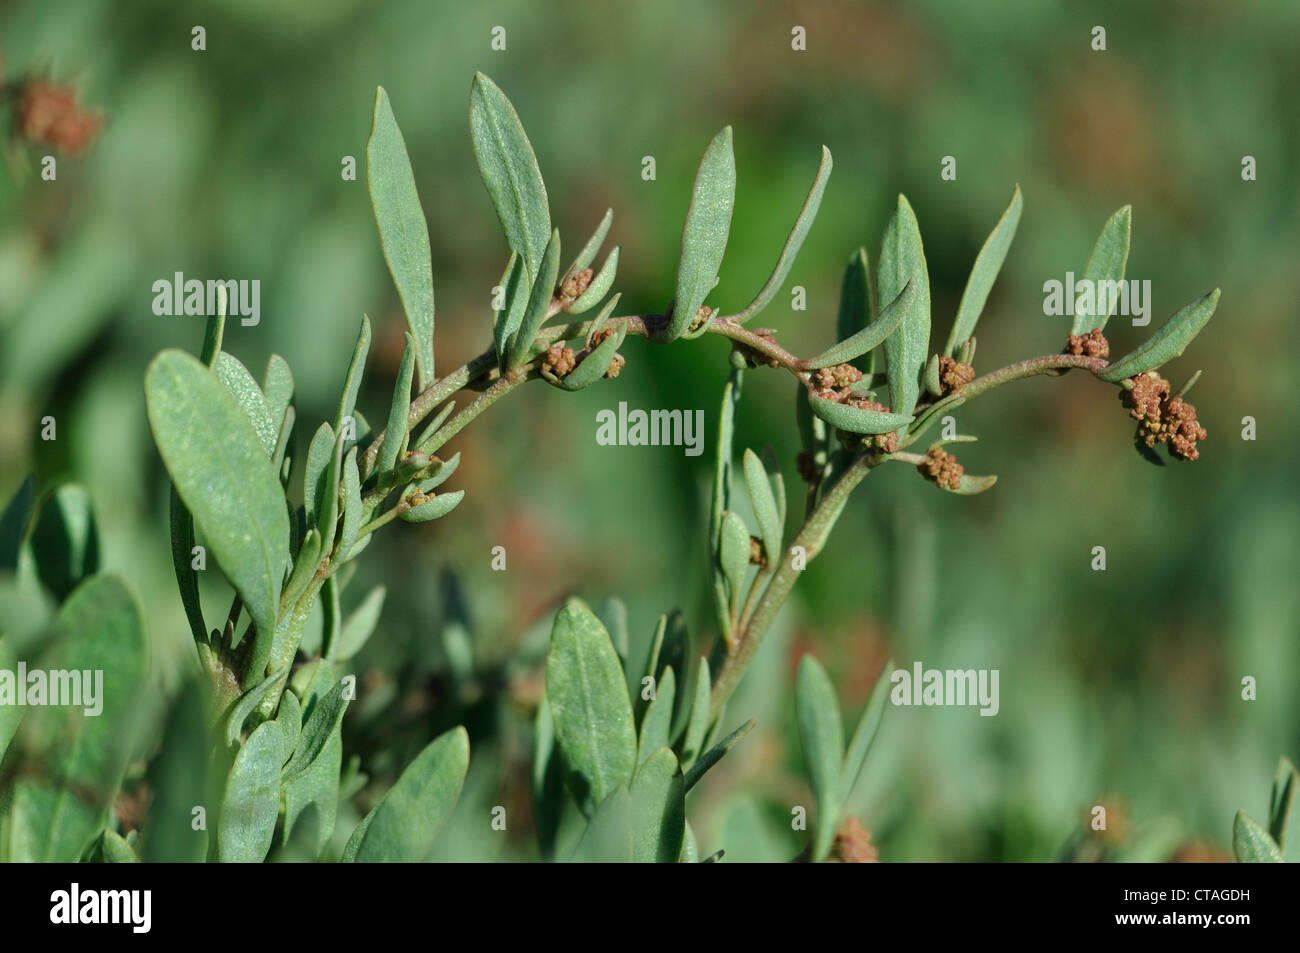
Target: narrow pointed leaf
[
  {"x": 1106, "y": 263},
  {"x": 352, "y": 383},
  {"x": 515, "y": 289},
  {"x": 277, "y": 388},
  {"x": 326, "y": 716},
  {"x": 14, "y": 522},
  {"x": 794, "y": 241},
  {"x": 539, "y": 302},
  {"x": 599, "y": 286},
  {"x": 224, "y": 478},
  {"x": 510, "y": 172},
  {"x": 715, "y": 754},
  {"x": 865, "y": 733},
  {"x": 705, "y": 232},
  {"x": 855, "y": 419},
  {"x": 851, "y": 348},
  {"x": 589, "y": 705},
  {"x": 698, "y": 726},
  {"x": 320, "y": 452},
  {"x": 589, "y": 250},
  {"x": 440, "y": 474},
  {"x": 248, "y": 703},
  {"x": 395, "y": 433},
  {"x": 351, "y": 504},
  {"x": 1167, "y": 343},
  {"x": 1285, "y": 783},
  {"x": 405, "y": 823},
  {"x": 985, "y": 271},
  {"x": 822, "y": 734},
  {"x": 856, "y": 305},
  {"x": 902, "y": 259},
  {"x": 403, "y": 232}
]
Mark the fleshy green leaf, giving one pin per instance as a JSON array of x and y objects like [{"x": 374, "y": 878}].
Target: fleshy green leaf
[
  {"x": 403, "y": 232},
  {"x": 822, "y": 734},
  {"x": 248, "y": 703},
  {"x": 61, "y": 803},
  {"x": 239, "y": 381},
  {"x": 599, "y": 286},
  {"x": 312, "y": 797},
  {"x": 851, "y": 348},
  {"x": 539, "y": 302},
  {"x": 1167, "y": 343},
  {"x": 902, "y": 259},
  {"x": 657, "y": 723},
  {"x": 704, "y": 235},
  {"x": 436, "y": 508},
  {"x": 715, "y": 754},
  {"x": 1251, "y": 843},
  {"x": 351, "y": 504},
  {"x": 277, "y": 388},
  {"x": 589, "y": 705},
  {"x": 971, "y": 485},
  {"x": 405, "y": 823},
  {"x": 722, "y": 494},
  {"x": 1106, "y": 263},
  {"x": 855, "y": 419},
  {"x": 252, "y": 800},
  {"x": 395, "y": 433},
  {"x": 865, "y": 733},
  {"x": 765, "y": 508},
  {"x": 326, "y": 715},
  {"x": 982, "y": 275},
  {"x": 65, "y": 540},
  {"x": 224, "y": 478},
  {"x": 320, "y": 453},
  {"x": 608, "y": 837},
  {"x": 856, "y": 305},
  {"x": 510, "y": 172},
  {"x": 794, "y": 241},
  {"x": 658, "y": 810}
]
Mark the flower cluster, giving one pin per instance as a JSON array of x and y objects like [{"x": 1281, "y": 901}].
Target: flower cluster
[
  {"x": 1162, "y": 418},
  {"x": 1092, "y": 344},
  {"x": 942, "y": 467},
  {"x": 954, "y": 374}
]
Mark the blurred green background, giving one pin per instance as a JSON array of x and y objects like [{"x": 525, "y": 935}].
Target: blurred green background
[{"x": 1120, "y": 687}]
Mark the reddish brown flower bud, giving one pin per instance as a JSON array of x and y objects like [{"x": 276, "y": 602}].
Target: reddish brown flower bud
[
  {"x": 852, "y": 845},
  {"x": 942, "y": 467},
  {"x": 48, "y": 115},
  {"x": 575, "y": 284},
  {"x": 954, "y": 375},
  {"x": 1092, "y": 344}
]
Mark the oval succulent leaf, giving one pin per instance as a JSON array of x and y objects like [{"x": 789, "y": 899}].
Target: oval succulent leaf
[
  {"x": 589, "y": 705},
  {"x": 855, "y": 419},
  {"x": 223, "y": 476},
  {"x": 599, "y": 286},
  {"x": 539, "y": 303},
  {"x": 982, "y": 275},
  {"x": 793, "y": 242},
  {"x": 1106, "y": 263},
  {"x": 902, "y": 258},
  {"x": 873, "y": 334},
  {"x": 821, "y": 732},
  {"x": 765, "y": 507},
  {"x": 733, "y": 554},
  {"x": 1167, "y": 343},
  {"x": 277, "y": 387},
  {"x": 433, "y": 509},
  {"x": 405, "y": 823},
  {"x": 403, "y": 232},
  {"x": 705, "y": 232},
  {"x": 510, "y": 172}
]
